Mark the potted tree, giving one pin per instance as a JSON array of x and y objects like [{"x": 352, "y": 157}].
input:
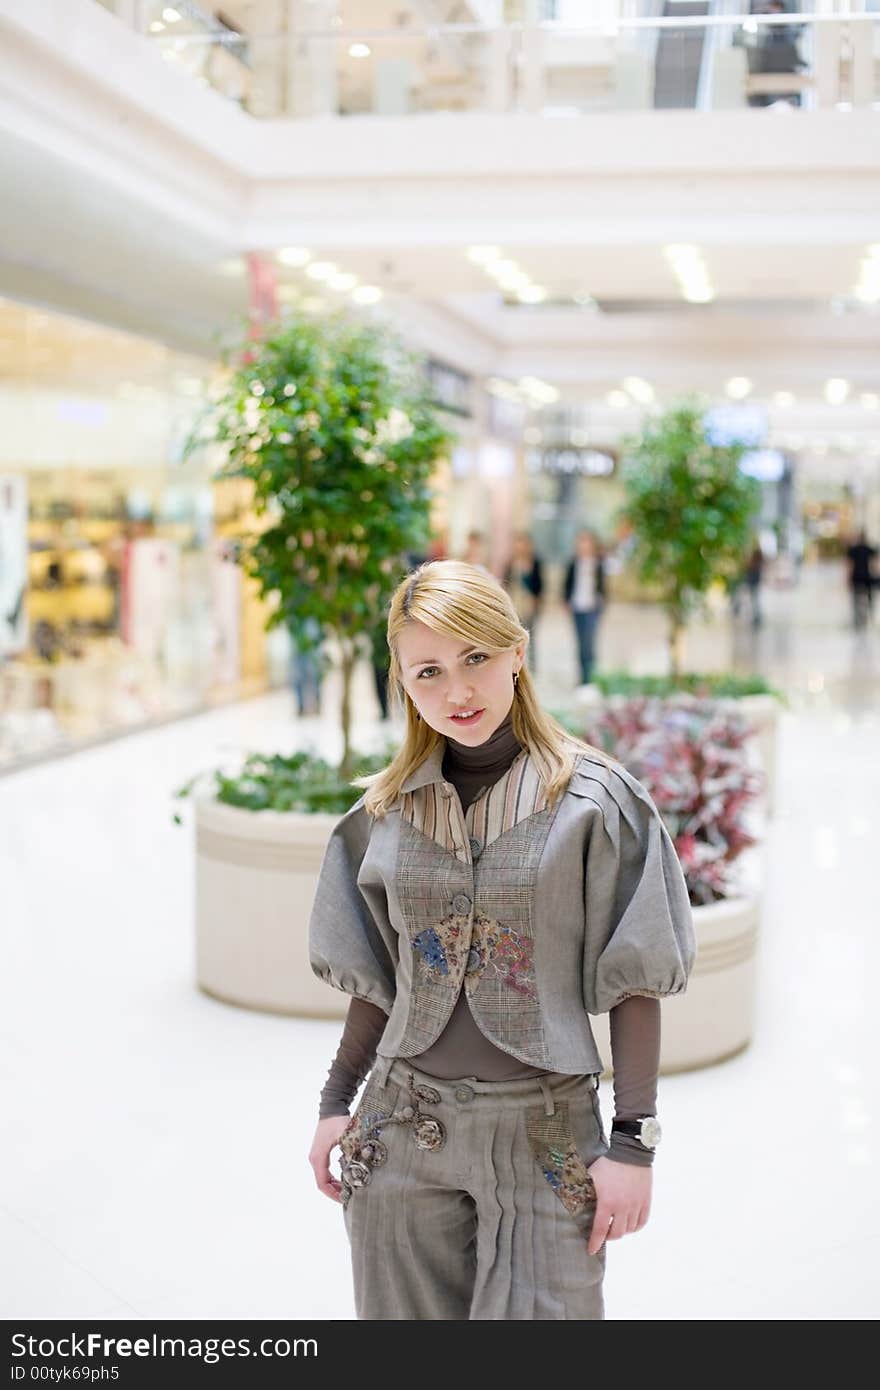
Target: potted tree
[
  {"x": 691, "y": 514},
  {"x": 691, "y": 756},
  {"x": 332, "y": 423},
  {"x": 691, "y": 510}
]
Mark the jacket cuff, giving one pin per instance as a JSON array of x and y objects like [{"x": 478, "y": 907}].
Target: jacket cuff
[{"x": 624, "y": 1149}]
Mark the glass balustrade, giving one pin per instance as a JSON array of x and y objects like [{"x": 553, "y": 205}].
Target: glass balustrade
[{"x": 678, "y": 63}]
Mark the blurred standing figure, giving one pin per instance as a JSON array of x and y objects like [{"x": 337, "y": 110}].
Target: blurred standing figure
[
  {"x": 475, "y": 550},
  {"x": 524, "y": 581},
  {"x": 305, "y": 670},
  {"x": 861, "y": 557},
  {"x": 754, "y": 574},
  {"x": 585, "y": 594}
]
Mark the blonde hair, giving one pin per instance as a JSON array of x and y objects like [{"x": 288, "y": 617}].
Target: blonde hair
[{"x": 465, "y": 601}]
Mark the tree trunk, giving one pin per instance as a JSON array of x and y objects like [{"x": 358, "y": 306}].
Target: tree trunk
[
  {"x": 676, "y": 646},
  {"x": 348, "y": 660}
]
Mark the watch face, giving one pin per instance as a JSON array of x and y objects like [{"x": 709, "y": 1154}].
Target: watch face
[{"x": 651, "y": 1132}]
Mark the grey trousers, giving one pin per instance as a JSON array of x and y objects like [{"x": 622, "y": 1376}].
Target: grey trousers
[{"x": 470, "y": 1200}]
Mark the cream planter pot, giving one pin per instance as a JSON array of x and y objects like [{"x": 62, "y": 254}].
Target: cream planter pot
[
  {"x": 256, "y": 873},
  {"x": 714, "y": 1018}
]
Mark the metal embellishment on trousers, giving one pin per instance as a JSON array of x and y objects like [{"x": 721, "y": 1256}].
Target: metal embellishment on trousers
[
  {"x": 362, "y": 1149},
  {"x": 553, "y": 1146},
  {"x": 428, "y": 1132}
]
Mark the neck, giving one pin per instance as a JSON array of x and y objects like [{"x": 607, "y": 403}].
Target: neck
[{"x": 499, "y": 749}]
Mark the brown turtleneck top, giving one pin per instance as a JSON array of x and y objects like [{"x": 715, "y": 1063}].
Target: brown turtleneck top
[{"x": 462, "y": 1049}]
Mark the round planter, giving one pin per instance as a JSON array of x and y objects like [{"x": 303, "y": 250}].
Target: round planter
[
  {"x": 714, "y": 1018},
  {"x": 256, "y": 873},
  {"x": 762, "y": 711}
]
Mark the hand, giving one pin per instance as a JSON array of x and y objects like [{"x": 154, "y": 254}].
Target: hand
[
  {"x": 623, "y": 1190},
  {"x": 327, "y": 1136}
]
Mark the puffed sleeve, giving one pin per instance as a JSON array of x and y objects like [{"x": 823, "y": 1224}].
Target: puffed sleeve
[
  {"x": 639, "y": 934},
  {"x": 352, "y": 945}
]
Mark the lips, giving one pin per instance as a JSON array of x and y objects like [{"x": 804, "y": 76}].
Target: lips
[{"x": 469, "y": 719}]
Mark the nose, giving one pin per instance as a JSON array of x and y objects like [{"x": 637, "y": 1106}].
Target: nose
[{"x": 459, "y": 693}]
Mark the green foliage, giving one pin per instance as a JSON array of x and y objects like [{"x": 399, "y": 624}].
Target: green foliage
[
  {"x": 332, "y": 421},
  {"x": 691, "y": 509},
  {"x": 720, "y": 684},
  {"x": 302, "y": 782}
]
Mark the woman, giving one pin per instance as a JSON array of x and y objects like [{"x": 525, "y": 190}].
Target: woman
[
  {"x": 496, "y": 882},
  {"x": 584, "y": 592},
  {"x": 524, "y": 581}
]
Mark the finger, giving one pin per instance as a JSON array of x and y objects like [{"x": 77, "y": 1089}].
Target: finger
[
  {"x": 599, "y": 1232},
  {"x": 617, "y": 1229},
  {"x": 331, "y": 1188}
]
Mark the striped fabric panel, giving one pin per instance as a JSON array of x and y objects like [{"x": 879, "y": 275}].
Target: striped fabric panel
[
  {"x": 516, "y": 796},
  {"x": 437, "y": 817}
]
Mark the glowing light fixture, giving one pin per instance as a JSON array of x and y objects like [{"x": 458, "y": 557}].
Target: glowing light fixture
[
  {"x": 738, "y": 387},
  {"x": 171, "y": 16},
  {"x": 294, "y": 256},
  {"x": 836, "y": 390},
  {"x": 359, "y": 50},
  {"x": 640, "y": 390},
  {"x": 531, "y": 294},
  {"x": 366, "y": 294}
]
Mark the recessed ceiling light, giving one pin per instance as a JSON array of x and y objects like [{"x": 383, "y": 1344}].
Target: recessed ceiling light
[
  {"x": 836, "y": 390},
  {"x": 157, "y": 27},
  {"x": 170, "y": 15},
  {"x": 531, "y": 294},
  {"x": 366, "y": 294},
  {"x": 294, "y": 256},
  {"x": 738, "y": 387},
  {"x": 321, "y": 270},
  {"x": 639, "y": 389},
  {"x": 359, "y": 50}
]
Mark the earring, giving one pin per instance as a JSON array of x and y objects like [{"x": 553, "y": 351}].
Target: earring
[{"x": 515, "y": 679}]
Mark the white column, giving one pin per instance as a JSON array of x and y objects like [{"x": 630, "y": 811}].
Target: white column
[
  {"x": 826, "y": 49},
  {"x": 268, "y": 53},
  {"x": 312, "y": 58},
  {"x": 861, "y": 61}
]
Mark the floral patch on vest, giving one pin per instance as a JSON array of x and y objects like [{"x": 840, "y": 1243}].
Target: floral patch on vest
[
  {"x": 552, "y": 1144},
  {"x": 498, "y": 948},
  {"x": 441, "y": 948}
]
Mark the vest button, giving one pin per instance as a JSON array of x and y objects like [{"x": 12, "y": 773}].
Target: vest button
[
  {"x": 473, "y": 959},
  {"x": 476, "y": 847},
  {"x": 461, "y": 903},
  {"x": 407, "y": 1112},
  {"x": 463, "y": 1093}
]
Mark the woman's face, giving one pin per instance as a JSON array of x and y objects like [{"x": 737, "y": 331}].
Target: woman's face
[{"x": 448, "y": 676}]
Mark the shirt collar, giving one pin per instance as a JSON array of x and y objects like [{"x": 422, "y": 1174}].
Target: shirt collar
[{"x": 431, "y": 770}]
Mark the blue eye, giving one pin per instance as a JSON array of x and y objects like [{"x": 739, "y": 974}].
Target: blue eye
[
  {"x": 427, "y": 671},
  {"x": 478, "y": 656}
]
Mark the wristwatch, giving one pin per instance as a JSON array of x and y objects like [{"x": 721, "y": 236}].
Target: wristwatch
[{"x": 647, "y": 1130}]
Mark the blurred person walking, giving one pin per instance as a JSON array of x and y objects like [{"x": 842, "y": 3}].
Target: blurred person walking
[
  {"x": 862, "y": 579},
  {"x": 584, "y": 593},
  {"x": 524, "y": 581},
  {"x": 475, "y": 550}
]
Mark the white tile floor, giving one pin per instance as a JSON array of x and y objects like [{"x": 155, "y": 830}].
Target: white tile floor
[{"x": 153, "y": 1160}]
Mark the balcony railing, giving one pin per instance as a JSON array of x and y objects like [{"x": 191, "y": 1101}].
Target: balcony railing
[{"x": 806, "y": 62}]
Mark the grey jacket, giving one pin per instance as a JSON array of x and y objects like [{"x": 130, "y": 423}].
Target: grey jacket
[{"x": 544, "y": 914}]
